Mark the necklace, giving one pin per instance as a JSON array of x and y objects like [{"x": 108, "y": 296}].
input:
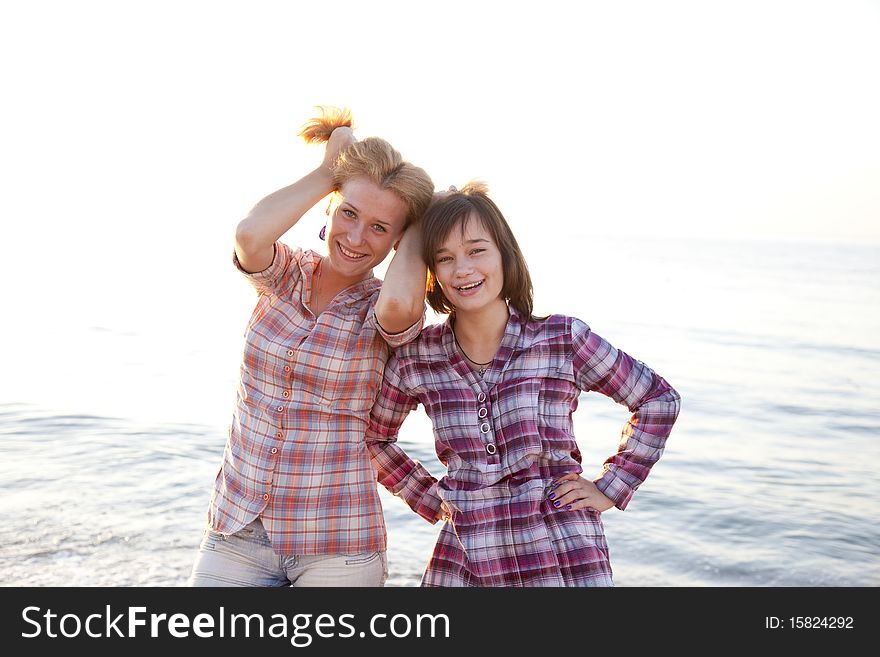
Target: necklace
[
  {"x": 317, "y": 303},
  {"x": 482, "y": 366},
  {"x": 316, "y": 283}
]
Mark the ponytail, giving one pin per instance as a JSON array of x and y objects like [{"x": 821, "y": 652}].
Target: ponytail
[{"x": 319, "y": 129}]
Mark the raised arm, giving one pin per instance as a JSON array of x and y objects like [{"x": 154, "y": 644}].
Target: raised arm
[
  {"x": 277, "y": 213},
  {"x": 401, "y": 301},
  {"x": 654, "y": 404}
]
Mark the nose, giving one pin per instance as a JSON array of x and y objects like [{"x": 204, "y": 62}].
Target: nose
[
  {"x": 356, "y": 235},
  {"x": 463, "y": 268}
]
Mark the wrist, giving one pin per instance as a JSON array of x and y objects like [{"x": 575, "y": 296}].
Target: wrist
[{"x": 322, "y": 180}]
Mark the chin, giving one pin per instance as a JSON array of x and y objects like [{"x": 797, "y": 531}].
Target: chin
[{"x": 349, "y": 268}]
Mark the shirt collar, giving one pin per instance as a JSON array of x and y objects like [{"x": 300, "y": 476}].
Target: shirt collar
[{"x": 509, "y": 343}]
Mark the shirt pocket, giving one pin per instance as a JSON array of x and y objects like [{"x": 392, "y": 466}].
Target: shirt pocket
[{"x": 557, "y": 400}]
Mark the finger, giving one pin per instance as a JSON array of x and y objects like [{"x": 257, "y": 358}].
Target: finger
[
  {"x": 565, "y": 480},
  {"x": 571, "y": 497},
  {"x": 580, "y": 504},
  {"x": 560, "y": 490}
]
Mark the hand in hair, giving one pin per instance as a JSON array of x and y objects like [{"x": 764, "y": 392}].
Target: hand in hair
[
  {"x": 333, "y": 126},
  {"x": 340, "y": 139},
  {"x": 443, "y": 193}
]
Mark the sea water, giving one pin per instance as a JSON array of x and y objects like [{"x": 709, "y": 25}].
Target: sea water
[{"x": 113, "y": 418}]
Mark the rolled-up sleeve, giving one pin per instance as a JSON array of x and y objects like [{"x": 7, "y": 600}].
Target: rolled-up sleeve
[
  {"x": 395, "y": 340},
  {"x": 403, "y": 476},
  {"x": 654, "y": 404},
  {"x": 283, "y": 273}
]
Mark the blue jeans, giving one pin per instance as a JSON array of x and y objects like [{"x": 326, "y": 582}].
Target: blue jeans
[{"x": 246, "y": 558}]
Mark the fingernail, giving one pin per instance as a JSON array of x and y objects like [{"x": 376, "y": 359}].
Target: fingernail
[
  {"x": 556, "y": 504},
  {"x": 568, "y": 506},
  {"x": 552, "y": 495}
]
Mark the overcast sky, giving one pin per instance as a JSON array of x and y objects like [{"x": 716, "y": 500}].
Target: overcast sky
[{"x": 130, "y": 127}]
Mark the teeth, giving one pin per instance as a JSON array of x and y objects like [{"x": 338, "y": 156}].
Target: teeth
[
  {"x": 351, "y": 254},
  {"x": 471, "y": 286}
]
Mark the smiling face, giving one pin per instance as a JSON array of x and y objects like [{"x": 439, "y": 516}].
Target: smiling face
[
  {"x": 468, "y": 267},
  {"x": 365, "y": 224}
]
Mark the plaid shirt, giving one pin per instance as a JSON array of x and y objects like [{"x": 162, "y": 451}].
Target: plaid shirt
[
  {"x": 505, "y": 438},
  {"x": 296, "y": 455}
]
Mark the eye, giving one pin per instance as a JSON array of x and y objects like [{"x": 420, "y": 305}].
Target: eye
[
  {"x": 348, "y": 213},
  {"x": 379, "y": 228},
  {"x": 477, "y": 251},
  {"x": 442, "y": 259}
]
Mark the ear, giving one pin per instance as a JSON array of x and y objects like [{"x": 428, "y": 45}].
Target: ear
[{"x": 396, "y": 244}]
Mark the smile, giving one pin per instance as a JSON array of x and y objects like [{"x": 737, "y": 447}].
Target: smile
[
  {"x": 469, "y": 286},
  {"x": 350, "y": 254}
]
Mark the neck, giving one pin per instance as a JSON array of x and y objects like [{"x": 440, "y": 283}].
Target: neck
[{"x": 482, "y": 329}]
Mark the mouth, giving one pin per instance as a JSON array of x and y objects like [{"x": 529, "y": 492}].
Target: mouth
[
  {"x": 469, "y": 288},
  {"x": 350, "y": 255}
]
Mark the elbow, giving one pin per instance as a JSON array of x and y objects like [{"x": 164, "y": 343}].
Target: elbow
[
  {"x": 245, "y": 237},
  {"x": 253, "y": 245},
  {"x": 395, "y": 315},
  {"x": 672, "y": 402}
]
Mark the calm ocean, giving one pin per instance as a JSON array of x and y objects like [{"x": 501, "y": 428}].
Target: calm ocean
[{"x": 112, "y": 428}]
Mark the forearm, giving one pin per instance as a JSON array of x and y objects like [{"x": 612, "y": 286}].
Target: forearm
[
  {"x": 405, "y": 478},
  {"x": 275, "y": 215},
  {"x": 642, "y": 443},
  {"x": 401, "y": 300},
  {"x": 654, "y": 404}
]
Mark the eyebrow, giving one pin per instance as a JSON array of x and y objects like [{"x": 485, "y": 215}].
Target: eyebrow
[
  {"x": 355, "y": 208},
  {"x": 474, "y": 241}
]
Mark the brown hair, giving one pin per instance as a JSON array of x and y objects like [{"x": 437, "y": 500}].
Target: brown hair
[
  {"x": 374, "y": 159},
  {"x": 453, "y": 210}
]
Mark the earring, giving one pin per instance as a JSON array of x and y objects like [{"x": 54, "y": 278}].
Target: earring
[{"x": 323, "y": 234}]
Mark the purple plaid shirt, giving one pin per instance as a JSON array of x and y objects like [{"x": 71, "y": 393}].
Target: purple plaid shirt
[
  {"x": 505, "y": 438},
  {"x": 296, "y": 455}
]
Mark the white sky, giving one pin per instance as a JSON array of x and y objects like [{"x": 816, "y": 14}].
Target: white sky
[
  {"x": 139, "y": 131},
  {"x": 135, "y": 135}
]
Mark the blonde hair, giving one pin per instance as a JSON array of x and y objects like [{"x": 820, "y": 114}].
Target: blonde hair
[
  {"x": 374, "y": 159},
  {"x": 453, "y": 210}
]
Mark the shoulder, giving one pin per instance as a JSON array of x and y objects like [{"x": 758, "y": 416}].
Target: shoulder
[
  {"x": 370, "y": 288},
  {"x": 289, "y": 255},
  {"x": 553, "y": 328},
  {"x": 297, "y": 252},
  {"x": 427, "y": 346},
  {"x": 294, "y": 261}
]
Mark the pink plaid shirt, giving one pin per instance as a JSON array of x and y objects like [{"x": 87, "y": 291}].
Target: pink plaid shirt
[
  {"x": 296, "y": 455},
  {"x": 505, "y": 438}
]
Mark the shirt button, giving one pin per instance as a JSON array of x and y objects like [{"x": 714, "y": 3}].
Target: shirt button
[
  {"x": 280, "y": 408},
  {"x": 290, "y": 352},
  {"x": 274, "y": 450},
  {"x": 279, "y": 435},
  {"x": 484, "y": 428},
  {"x": 483, "y": 412},
  {"x": 481, "y": 397},
  {"x": 265, "y": 496},
  {"x": 491, "y": 448},
  {"x": 286, "y": 393},
  {"x": 287, "y": 368}
]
